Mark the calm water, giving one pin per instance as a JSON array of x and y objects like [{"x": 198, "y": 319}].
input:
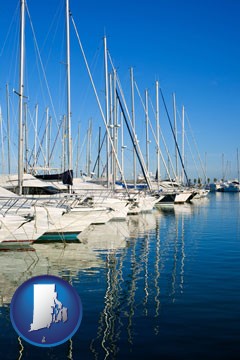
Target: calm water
[{"x": 162, "y": 285}]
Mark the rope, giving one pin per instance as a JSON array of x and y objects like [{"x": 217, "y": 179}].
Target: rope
[
  {"x": 131, "y": 130},
  {"x": 174, "y": 136},
  {"x": 42, "y": 67},
  {"x": 150, "y": 123},
  {"x": 195, "y": 143},
  {"x": 98, "y": 101},
  {"x": 53, "y": 223},
  {"x": 9, "y": 29}
]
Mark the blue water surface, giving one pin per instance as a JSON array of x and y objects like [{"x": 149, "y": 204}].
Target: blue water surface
[{"x": 164, "y": 285}]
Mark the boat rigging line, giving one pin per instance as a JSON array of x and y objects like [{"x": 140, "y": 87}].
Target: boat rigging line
[
  {"x": 133, "y": 142},
  {"x": 174, "y": 136},
  {"x": 134, "y": 136},
  {"x": 98, "y": 102},
  {"x": 155, "y": 138}
]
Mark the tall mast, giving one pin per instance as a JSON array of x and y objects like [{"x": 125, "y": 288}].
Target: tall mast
[
  {"x": 20, "y": 92},
  {"x": 2, "y": 145},
  {"x": 133, "y": 126},
  {"x": 122, "y": 142},
  {"x": 111, "y": 157},
  {"x": 49, "y": 142},
  {"x": 147, "y": 131},
  {"x": 99, "y": 150},
  {"x": 35, "y": 137},
  {"x": 46, "y": 141},
  {"x": 205, "y": 167},
  {"x": 69, "y": 135},
  {"x": 88, "y": 152},
  {"x": 63, "y": 143},
  {"x": 26, "y": 137},
  {"x": 158, "y": 134},
  {"x": 223, "y": 170},
  {"x": 175, "y": 131},
  {"x": 8, "y": 129},
  {"x": 78, "y": 151},
  {"x": 237, "y": 166},
  {"x": 115, "y": 128},
  {"x": 106, "y": 107},
  {"x": 183, "y": 134}
]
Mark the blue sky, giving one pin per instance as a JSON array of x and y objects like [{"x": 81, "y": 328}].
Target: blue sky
[{"x": 191, "y": 47}]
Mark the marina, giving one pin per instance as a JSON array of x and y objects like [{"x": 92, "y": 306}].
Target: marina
[
  {"x": 161, "y": 284},
  {"x": 107, "y": 183}
]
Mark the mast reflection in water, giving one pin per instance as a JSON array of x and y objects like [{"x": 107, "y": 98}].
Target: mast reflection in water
[{"x": 164, "y": 284}]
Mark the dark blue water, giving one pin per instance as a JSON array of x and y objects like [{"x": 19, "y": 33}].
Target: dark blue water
[{"x": 164, "y": 285}]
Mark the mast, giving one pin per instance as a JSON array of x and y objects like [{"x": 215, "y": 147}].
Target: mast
[
  {"x": 183, "y": 155},
  {"x": 122, "y": 142},
  {"x": 205, "y": 167},
  {"x": 158, "y": 134},
  {"x": 35, "y": 137},
  {"x": 115, "y": 127},
  {"x": 63, "y": 143},
  {"x": 99, "y": 150},
  {"x": 111, "y": 157},
  {"x": 175, "y": 131},
  {"x": 237, "y": 166},
  {"x": 26, "y": 137},
  {"x": 106, "y": 107},
  {"x": 147, "y": 132},
  {"x": 133, "y": 126},
  {"x": 88, "y": 152},
  {"x": 46, "y": 141},
  {"x": 20, "y": 92},
  {"x": 2, "y": 145},
  {"x": 78, "y": 151},
  {"x": 69, "y": 135},
  {"x": 223, "y": 171},
  {"x": 8, "y": 129},
  {"x": 49, "y": 142}
]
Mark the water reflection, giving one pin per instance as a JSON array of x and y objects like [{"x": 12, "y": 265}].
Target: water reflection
[
  {"x": 144, "y": 268},
  {"x": 157, "y": 273},
  {"x": 134, "y": 279}
]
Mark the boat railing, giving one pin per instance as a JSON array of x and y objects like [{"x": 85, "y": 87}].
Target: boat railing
[
  {"x": 97, "y": 195},
  {"x": 17, "y": 204},
  {"x": 88, "y": 197},
  {"x": 13, "y": 204}
]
